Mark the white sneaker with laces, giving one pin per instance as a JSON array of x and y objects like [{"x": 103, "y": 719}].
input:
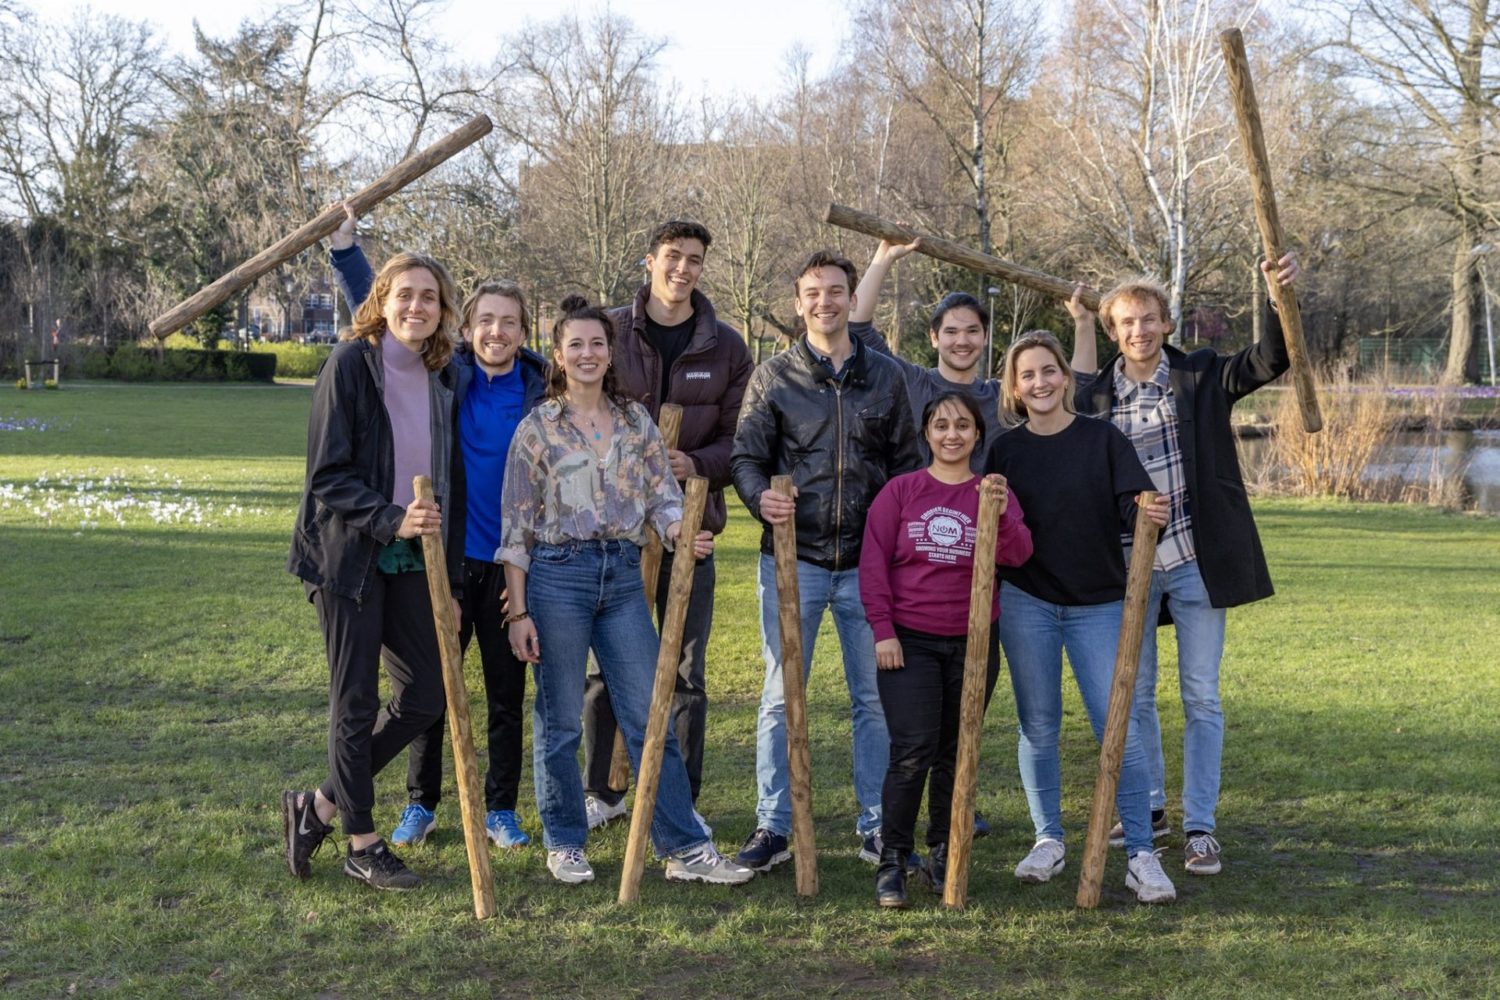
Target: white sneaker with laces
[
  {"x": 600, "y": 812},
  {"x": 706, "y": 864},
  {"x": 1144, "y": 877},
  {"x": 1044, "y": 861},
  {"x": 569, "y": 866}
]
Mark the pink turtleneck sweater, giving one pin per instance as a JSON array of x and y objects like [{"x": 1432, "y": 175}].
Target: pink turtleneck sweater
[{"x": 407, "y": 402}]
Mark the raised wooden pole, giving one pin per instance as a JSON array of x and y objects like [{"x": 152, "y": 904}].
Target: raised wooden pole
[
  {"x": 1247, "y": 114},
  {"x": 1133, "y": 625},
  {"x": 971, "y": 711},
  {"x": 956, "y": 253},
  {"x": 670, "y": 424},
  {"x": 465, "y": 766},
  {"x": 794, "y": 696},
  {"x": 327, "y": 221},
  {"x": 659, "y": 719}
]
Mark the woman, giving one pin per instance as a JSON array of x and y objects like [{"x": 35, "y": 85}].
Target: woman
[
  {"x": 383, "y": 411},
  {"x": 1079, "y": 480},
  {"x": 586, "y": 475},
  {"x": 499, "y": 382},
  {"x": 916, "y": 568}
]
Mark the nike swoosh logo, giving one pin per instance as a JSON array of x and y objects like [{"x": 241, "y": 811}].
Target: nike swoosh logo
[{"x": 302, "y": 829}]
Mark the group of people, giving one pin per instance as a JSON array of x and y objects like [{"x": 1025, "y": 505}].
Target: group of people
[{"x": 548, "y": 474}]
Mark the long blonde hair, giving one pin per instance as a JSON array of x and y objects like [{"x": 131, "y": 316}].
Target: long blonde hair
[
  {"x": 1012, "y": 410},
  {"x": 369, "y": 318}
]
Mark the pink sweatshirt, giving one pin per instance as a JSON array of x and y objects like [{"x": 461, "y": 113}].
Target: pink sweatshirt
[{"x": 917, "y": 563}]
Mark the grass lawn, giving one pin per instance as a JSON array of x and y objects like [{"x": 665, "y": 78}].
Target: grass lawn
[{"x": 162, "y": 679}]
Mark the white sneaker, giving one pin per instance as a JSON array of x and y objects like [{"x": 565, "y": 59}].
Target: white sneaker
[
  {"x": 569, "y": 866},
  {"x": 706, "y": 864},
  {"x": 1044, "y": 861},
  {"x": 600, "y": 812},
  {"x": 1144, "y": 877}
]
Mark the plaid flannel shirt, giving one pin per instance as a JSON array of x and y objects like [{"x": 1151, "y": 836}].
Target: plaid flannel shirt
[{"x": 1147, "y": 413}]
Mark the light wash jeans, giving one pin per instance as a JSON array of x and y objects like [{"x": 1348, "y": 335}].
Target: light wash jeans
[
  {"x": 1200, "y": 646},
  {"x": 1034, "y": 633},
  {"x": 582, "y": 596},
  {"x": 839, "y": 592}
]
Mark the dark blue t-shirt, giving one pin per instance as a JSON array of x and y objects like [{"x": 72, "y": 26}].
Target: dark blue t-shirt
[{"x": 492, "y": 409}]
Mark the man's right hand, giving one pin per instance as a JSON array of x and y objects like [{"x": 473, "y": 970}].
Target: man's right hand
[
  {"x": 775, "y": 508},
  {"x": 342, "y": 238}
]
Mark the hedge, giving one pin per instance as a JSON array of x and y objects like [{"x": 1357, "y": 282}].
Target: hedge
[{"x": 131, "y": 363}]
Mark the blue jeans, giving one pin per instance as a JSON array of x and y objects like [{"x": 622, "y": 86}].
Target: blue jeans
[
  {"x": 582, "y": 596},
  {"x": 1034, "y": 633},
  {"x": 838, "y": 591},
  {"x": 1200, "y": 646}
]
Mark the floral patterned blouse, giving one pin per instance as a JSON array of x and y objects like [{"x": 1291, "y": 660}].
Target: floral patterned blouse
[{"x": 558, "y": 490}]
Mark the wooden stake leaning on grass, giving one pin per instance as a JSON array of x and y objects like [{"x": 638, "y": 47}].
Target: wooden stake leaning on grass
[
  {"x": 956, "y": 253},
  {"x": 794, "y": 695},
  {"x": 393, "y": 180},
  {"x": 1133, "y": 625},
  {"x": 971, "y": 710},
  {"x": 670, "y": 425},
  {"x": 659, "y": 720},
  {"x": 465, "y": 766},
  {"x": 1247, "y": 114}
]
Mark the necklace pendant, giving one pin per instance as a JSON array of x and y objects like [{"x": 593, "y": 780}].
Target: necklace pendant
[{"x": 598, "y": 436}]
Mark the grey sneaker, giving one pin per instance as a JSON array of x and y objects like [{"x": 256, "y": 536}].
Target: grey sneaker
[
  {"x": 570, "y": 866},
  {"x": 706, "y": 864},
  {"x": 1044, "y": 861},
  {"x": 1202, "y": 855},
  {"x": 1145, "y": 878},
  {"x": 600, "y": 812},
  {"x": 1159, "y": 828}
]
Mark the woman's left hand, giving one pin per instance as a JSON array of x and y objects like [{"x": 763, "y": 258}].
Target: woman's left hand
[
  {"x": 703, "y": 545},
  {"x": 1158, "y": 510},
  {"x": 994, "y": 485},
  {"x": 888, "y": 654}
]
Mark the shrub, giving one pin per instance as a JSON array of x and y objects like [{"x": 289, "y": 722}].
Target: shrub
[
  {"x": 20, "y": 383},
  {"x": 96, "y": 364},
  {"x": 49, "y": 384},
  {"x": 132, "y": 363},
  {"x": 294, "y": 360}
]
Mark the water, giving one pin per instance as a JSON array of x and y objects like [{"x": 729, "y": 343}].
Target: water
[{"x": 1418, "y": 457}]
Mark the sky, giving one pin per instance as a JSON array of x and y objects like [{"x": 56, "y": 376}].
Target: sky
[{"x": 717, "y": 48}]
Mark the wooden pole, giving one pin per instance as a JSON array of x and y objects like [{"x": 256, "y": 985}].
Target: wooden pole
[
  {"x": 956, "y": 253},
  {"x": 971, "y": 711},
  {"x": 465, "y": 766},
  {"x": 794, "y": 696},
  {"x": 1133, "y": 625},
  {"x": 659, "y": 719},
  {"x": 327, "y": 221},
  {"x": 670, "y": 423},
  {"x": 1247, "y": 114}
]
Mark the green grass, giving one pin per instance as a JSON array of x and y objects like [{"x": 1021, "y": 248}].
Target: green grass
[{"x": 161, "y": 681}]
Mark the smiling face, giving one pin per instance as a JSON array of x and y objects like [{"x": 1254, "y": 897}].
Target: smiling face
[
  {"x": 951, "y": 434},
  {"x": 1139, "y": 325},
  {"x": 582, "y": 352},
  {"x": 495, "y": 332},
  {"x": 824, "y": 299},
  {"x": 413, "y": 307},
  {"x": 959, "y": 340},
  {"x": 1040, "y": 381},
  {"x": 675, "y": 267}
]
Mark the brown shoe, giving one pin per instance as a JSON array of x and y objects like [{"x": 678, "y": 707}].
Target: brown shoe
[{"x": 1202, "y": 855}]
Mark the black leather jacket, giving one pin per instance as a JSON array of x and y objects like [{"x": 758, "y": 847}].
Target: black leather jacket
[
  {"x": 346, "y": 515},
  {"x": 839, "y": 440}
]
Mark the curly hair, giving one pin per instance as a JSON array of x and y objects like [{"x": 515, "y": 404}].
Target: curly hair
[
  {"x": 369, "y": 318},
  {"x": 576, "y": 309},
  {"x": 1012, "y": 410}
]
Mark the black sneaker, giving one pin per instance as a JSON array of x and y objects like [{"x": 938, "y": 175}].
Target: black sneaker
[
  {"x": 377, "y": 866},
  {"x": 763, "y": 850},
  {"x": 302, "y": 831}
]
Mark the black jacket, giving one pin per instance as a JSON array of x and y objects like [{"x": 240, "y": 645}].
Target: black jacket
[
  {"x": 707, "y": 381},
  {"x": 840, "y": 443},
  {"x": 1206, "y": 385},
  {"x": 346, "y": 515}
]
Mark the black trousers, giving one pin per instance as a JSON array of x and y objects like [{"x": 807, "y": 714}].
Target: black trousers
[
  {"x": 504, "y": 696},
  {"x": 689, "y": 696},
  {"x": 921, "y": 702},
  {"x": 393, "y": 624}
]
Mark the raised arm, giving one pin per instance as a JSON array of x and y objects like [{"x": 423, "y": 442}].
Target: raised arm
[
  {"x": 1246, "y": 370},
  {"x": 867, "y": 294},
  {"x": 350, "y": 266},
  {"x": 1085, "y": 346}
]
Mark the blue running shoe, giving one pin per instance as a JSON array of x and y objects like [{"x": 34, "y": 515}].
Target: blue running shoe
[
  {"x": 416, "y": 823},
  {"x": 505, "y": 829}
]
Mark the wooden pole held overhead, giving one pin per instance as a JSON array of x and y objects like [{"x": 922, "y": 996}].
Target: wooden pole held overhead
[
  {"x": 794, "y": 696},
  {"x": 659, "y": 719},
  {"x": 1247, "y": 115},
  {"x": 387, "y": 184},
  {"x": 1133, "y": 625},
  {"x": 465, "y": 765}
]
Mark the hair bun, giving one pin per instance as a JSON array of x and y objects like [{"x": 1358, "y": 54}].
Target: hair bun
[{"x": 572, "y": 303}]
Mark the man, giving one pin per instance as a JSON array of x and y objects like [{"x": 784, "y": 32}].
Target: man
[
  {"x": 835, "y": 416},
  {"x": 670, "y": 347},
  {"x": 1175, "y": 408}
]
